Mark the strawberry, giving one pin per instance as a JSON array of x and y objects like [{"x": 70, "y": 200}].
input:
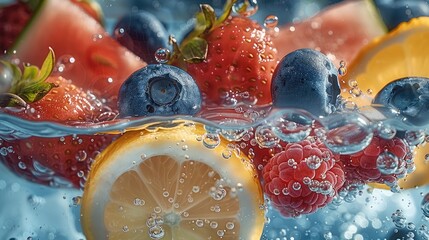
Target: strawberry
[
  {"x": 304, "y": 177},
  {"x": 39, "y": 96},
  {"x": 231, "y": 58},
  {"x": 383, "y": 161},
  {"x": 13, "y": 19}
]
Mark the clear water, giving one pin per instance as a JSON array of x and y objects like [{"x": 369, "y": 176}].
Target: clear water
[{"x": 31, "y": 211}]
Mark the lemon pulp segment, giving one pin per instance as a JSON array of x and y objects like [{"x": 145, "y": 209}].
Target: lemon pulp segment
[{"x": 166, "y": 184}]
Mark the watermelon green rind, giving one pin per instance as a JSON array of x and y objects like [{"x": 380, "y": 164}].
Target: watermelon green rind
[
  {"x": 101, "y": 63},
  {"x": 35, "y": 6}
]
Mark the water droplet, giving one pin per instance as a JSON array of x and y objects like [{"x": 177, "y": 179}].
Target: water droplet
[
  {"x": 77, "y": 200},
  {"x": 81, "y": 155},
  {"x": 271, "y": 21},
  {"x": 345, "y": 133},
  {"x": 6, "y": 77},
  {"x": 387, "y": 163},
  {"x": 291, "y": 125},
  {"x": 22, "y": 165},
  {"x": 162, "y": 55},
  {"x": 342, "y": 70},
  {"x": 64, "y": 63},
  {"x": 245, "y": 8}
]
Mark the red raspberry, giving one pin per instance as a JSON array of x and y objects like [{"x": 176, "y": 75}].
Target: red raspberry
[
  {"x": 302, "y": 178},
  {"x": 13, "y": 19},
  {"x": 383, "y": 161}
]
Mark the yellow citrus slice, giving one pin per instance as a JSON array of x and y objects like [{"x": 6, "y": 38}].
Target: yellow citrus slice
[
  {"x": 403, "y": 52},
  {"x": 172, "y": 183}
]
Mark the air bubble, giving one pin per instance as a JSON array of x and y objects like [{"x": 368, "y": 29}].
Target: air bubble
[
  {"x": 195, "y": 189},
  {"x": 346, "y": 133},
  {"x": 162, "y": 55},
  {"x": 265, "y": 137},
  {"x": 156, "y": 232},
  {"x": 229, "y": 225},
  {"x": 387, "y": 163},
  {"x": 245, "y": 8},
  {"x": 199, "y": 223},
  {"x": 313, "y": 162},
  {"x": 81, "y": 155},
  {"x": 292, "y": 125},
  {"x": 213, "y": 224},
  {"x": 138, "y": 202},
  {"x": 211, "y": 140},
  {"x": 425, "y": 205},
  {"x": 217, "y": 193},
  {"x": 296, "y": 186}
]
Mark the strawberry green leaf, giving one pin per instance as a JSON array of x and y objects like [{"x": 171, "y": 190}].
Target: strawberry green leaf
[
  {"x": 47, "y": 66},
  {"x": 35, "y": 92},
  {"x": 227, "y": 9},
  {"x": 195, "y": 50},
  {"x": 10, "y": 99},
  {"x": 31, "y": 85},
  {"x": 209, "y": 16}
]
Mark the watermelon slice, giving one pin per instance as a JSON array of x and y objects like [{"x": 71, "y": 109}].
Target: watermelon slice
[
  {"x": 339, "y": 31},
  {"x": 100, "y": 63}
]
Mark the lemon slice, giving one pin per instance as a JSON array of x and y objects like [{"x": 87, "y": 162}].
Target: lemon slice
[
  {"x": 404, "y": 52},
  {"x": 172, "y": 183}
]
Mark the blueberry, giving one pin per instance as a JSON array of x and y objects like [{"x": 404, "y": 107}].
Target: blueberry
[
  {"x": 159, "y": 89},
  {"x": 306, "y": 79},
  {"x": 142, "y": 33},
  {"x": 394, "y": 12},
  {"x": 408, "y": 95}
]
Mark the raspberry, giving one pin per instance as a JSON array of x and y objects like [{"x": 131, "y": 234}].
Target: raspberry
[
  {"x": 304, "y": 177},
  {"x": 383, "y": 161},
  {"x": 13, "y": 19}
]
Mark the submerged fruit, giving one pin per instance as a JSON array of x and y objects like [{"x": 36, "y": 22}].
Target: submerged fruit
[
  {"x": 306, "y": 79},
  {"x": 401, "y": 53},
  {"x": 170, "y": 183}
]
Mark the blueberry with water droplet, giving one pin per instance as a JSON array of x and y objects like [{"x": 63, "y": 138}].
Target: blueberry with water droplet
[
  {"x": 306, "y": 79},
  {"x": 408, "y": 95},
  {"x": 142, "y": 33},
  {"x": 159, "y": 90},
  {"x": 394, "y": 12}
]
